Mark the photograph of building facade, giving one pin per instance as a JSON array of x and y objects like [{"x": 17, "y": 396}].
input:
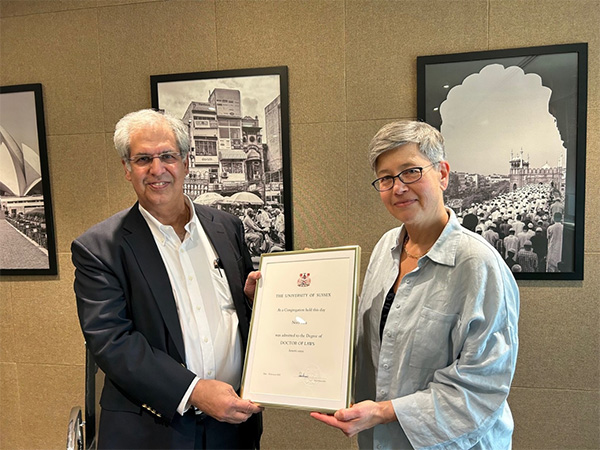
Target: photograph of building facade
[
  {"x": 236, "y": 163},
  {"x": 228, "y": 152}
]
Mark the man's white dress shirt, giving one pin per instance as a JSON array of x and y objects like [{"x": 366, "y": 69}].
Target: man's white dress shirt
[{"x": 209, "y": 323}]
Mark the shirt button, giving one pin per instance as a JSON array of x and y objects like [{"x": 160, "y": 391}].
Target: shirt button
[
  {"x": 198, "y": 308},
  {"x": 388, "y": 334},
  {"x": 205, "y": 339},
  {"x": 386, "y": 366},
  {"x": 397, "y": 306},
  {"x": 382, "y": 392},
  {"x": 209, "y": 373},
  {"x": 190, "y": 278}
]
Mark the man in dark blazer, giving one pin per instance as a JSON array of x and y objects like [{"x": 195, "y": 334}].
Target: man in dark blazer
[{"x": 134, "y": 297}]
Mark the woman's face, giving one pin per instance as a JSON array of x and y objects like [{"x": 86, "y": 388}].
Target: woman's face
[{"x": 419, "y": 203}]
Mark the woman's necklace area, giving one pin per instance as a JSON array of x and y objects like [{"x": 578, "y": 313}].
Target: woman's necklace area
[{"x": 409, "y": 254}]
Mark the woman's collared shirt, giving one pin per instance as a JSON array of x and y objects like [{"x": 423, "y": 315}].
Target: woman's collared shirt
[{"x": 449, "y": 346}]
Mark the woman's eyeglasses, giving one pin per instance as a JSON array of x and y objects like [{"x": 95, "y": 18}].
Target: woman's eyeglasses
[{"x": 407, "y": 176}]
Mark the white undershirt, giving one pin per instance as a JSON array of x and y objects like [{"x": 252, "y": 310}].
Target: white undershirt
[{"x": 209, "y": 323}]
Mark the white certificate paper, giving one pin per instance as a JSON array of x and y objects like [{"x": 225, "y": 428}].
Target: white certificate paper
[{"x": 300, "y": 349}]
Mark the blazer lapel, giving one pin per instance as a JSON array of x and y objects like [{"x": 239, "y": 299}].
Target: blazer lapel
[{"x": 155, "y": 273}]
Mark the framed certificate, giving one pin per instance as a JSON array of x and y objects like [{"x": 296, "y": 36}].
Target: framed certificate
[{"x": 301, "y": 344}]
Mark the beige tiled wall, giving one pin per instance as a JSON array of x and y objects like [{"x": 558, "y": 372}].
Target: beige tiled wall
[{"x": 352, "y": 68}]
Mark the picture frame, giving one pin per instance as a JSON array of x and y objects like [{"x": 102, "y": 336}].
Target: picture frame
[
  {"x": 514, "y": 126},
  {"x": 300, "y": 352},
  {"x": 240, "y": 155},
  {"x": 27, "y": 239}
]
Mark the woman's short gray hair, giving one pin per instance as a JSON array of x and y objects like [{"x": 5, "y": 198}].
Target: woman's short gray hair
[
  {"x": 132, "y": 122},
  {"x": 396, "y": 134}
]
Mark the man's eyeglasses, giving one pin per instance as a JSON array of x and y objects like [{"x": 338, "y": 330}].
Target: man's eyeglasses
[
  {"x": 407, "y": 176},
  {"x": 143, "y": 160}
]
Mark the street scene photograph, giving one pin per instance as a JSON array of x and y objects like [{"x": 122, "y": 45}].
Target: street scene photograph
[{"x": 237, "y": 150}]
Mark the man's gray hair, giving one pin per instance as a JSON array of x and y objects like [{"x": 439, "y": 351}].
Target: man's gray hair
[
  {"x": 395, "y": 134},
  {"x": 132, "y": 122}
]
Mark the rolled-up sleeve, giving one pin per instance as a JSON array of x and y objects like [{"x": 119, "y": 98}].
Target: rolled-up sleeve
[{"x": 467, "y": 399}]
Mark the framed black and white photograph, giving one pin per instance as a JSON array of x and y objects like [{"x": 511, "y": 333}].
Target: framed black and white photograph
[
  {"x": 27, "y": 242},
  {"x": 514, "y": 126},
  {"x": 239, "y": 158}
]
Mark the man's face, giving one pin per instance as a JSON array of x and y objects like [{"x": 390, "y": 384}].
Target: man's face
[
  {"x": 416, "y": 203},
  {"x": 159, "y": 186}
]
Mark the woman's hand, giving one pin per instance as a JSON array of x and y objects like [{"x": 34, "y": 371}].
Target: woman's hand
[{"x": 359, "y": 417}]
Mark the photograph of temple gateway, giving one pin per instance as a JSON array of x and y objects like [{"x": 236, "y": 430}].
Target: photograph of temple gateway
[{"x": 510, "y": 127}]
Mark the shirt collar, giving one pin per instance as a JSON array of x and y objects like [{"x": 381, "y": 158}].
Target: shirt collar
[
  {"x": 166, "y": 233},
  {"x": 445, "y": 247},
  {"x": 193, "y": 225}
]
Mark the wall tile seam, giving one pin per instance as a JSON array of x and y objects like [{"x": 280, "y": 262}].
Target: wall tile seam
[
  {"x": 383, "y": 119},
  {"x": 292, "y": 122},
  {"x": 216, "y": 37},
  {"x": 19, "y": 402},
  {"x": 344, "y": 62},
  {"x": 324, "y": 122},
  {"x": 488, "y": 20},
  {"x": 43, "y": 364},
  {"x": 59, "y": 11},
  {"x": 96, "y": 7},
  {"x": 14, "y": 279},
  {"x": 83, "y": 133},
  {"x": 101, "y": 94}
]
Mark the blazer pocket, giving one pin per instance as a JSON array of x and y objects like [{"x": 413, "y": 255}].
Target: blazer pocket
[{"x": 113, "y": 400}]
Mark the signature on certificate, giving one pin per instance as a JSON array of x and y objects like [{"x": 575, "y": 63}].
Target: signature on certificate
[{"x": 311, "y": 376}]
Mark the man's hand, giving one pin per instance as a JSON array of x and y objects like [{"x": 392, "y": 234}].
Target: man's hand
[
  {"x": 219, "y": 400},
  {"x": 250, "y": 286},
  {"x": 359, "y": 417}
]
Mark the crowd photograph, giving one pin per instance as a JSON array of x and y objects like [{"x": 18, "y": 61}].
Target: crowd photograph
[
  {"x": 264, "y": 226},
  {"x": 525, "y": 226}
]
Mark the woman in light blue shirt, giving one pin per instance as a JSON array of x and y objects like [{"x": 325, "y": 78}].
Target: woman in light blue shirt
[{"x": 437, "y": 325}]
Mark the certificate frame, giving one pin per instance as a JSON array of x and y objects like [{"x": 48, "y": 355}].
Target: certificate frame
[{"x": 300, "y": 352}]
